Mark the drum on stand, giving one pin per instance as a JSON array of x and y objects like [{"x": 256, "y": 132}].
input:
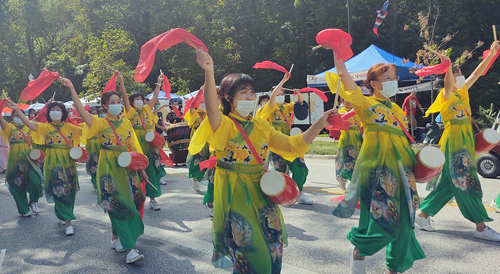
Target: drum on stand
[
  {"x": 178, "y": 137},
  {"x": 133, "y": 161},
  {"x": 155, "y": 139},
  {"x": 279, "y": 188},
  {"x": 79, "y": 154},
  {"x": 37, "y": 155},
  {"x": 430, "y": 162},
  {"x": 486, "y": 140}
]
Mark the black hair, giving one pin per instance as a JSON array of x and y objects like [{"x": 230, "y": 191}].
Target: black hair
[
  {"x": 63, "y": 110},
  {"x": 132, "y": 97},
  {"x": 262, "y": 97},
  {"x": 105, "y": 99},
  {"x": 230, "y": 84},
  {"x": 440, "y": 80}
]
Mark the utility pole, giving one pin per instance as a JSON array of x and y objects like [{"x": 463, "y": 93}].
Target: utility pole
[{"x": 349, "y": 17}]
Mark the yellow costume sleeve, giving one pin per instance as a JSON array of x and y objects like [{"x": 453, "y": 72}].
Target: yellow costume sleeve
[
  {"x": 5, "y": 134},
  {"x": 97, "y": 125},
  {"x": 191, "y": 118},
  {"x": 442, "y": 103},
  {"x": 205, "y": 134},
  {"x": 358, "y": 101},
  {"x": 266, "y": 111},
  {"x": 289, "y": 147},
  {"x": 130, "y": 113}
]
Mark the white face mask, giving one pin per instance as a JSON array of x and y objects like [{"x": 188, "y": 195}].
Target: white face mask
[
  {"x": 115, "y": 109},
  {"x": 460, "y": 82},
  {"x": 201, "y": 107},
  {"x": 280, "y": 99},
  {"x": 245, "y": 107},
  {"x": 55, "y": 115},
  {"x": 139, "y": 103},
  {"x": 17, "y": 120},
  {"x": 390, "y": 88}
]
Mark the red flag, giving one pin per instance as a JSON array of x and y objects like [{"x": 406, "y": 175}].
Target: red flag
[
  {"x": 320, "y": 93},
  {"x": 193, "y": 102},
  {"x": 436, "y": 69},
  {"x": 37, "y": 86},
  {"x": 166, "y": 87},
  {"x": 208, "y": 164},
  {"x": 162, "y": 42},
  {"x": 270, "y": 65},
  {"x": 165, "y": 159},
  {"x": 111, "y": 85},
  {"x": 177, "y": 112},
  {"x": 485, "y": 54},
  {"x": 338, "y": 40}
]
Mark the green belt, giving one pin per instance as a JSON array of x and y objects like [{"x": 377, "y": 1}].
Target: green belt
[
  {"x": 241, "y": 168},
  {"x": 18, "y": 142},
  {"x": 386, "y": 129},
  {"x": 58, "y": 146},
  {"x": 456, "y": 122},
  {"x": 112, "y": 148},
  {"x": 354, "y": 128}
]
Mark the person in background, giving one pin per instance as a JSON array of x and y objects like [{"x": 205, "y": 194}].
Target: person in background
[
  {"x": 410, "y": 105},
  {"x": 263, "y": 100},
  {"x": 31, "y": 114},
  {"x": 93, "y": 147}
]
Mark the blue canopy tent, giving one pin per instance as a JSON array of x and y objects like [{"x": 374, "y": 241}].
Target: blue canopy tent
[
  {"x": 161, "y": 96},
  {"x": 358, "y": 66}
]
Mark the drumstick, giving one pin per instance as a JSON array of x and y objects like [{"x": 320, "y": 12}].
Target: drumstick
[
  {"x": 109, "y": 67},
  {"x": 317, "y": 47},
  {"x": 54, "y": 94},
  {"x": 290, "y": 71},
  {"x": 431, "y": 50},
  {"x": 287, "y": 89},
  {"x": 336, "y": 102},
  {"x": 495, "y": 33},
  {"x": 151, "y": 184},
  {"x": 4, "y": 94}
]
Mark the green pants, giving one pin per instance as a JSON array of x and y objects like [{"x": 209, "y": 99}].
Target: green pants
[
  {"x": 64, "y": 211},
  {"x": 472, "y": 208},
  {"x": 209, "y": 195},
  {"x": 33, "y": 189},
  {"x": 369, "y": 238},
  {"x": 127, "y": 230}
]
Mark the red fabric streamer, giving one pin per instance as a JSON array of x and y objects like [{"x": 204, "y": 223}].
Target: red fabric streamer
[
  {"x": 23, "y": 107},
  {"x": 340, "y": 121},
  {"x": 41, "y": 117},
  {"x": 436, "y": 69},
  {"x": 87, "y": 108},
  {"x": 166, "y": 87},
  {"x": 37, "y": 86},
  {"x": 2, "y": 104},
  {"x": 111, "y": 85},
  {"x": 318, "y": 92},
  {"x": 177, "y": 112},
  {"x": 338, "y": 40},
  {"x": 165, "y": 159},
  {"x": 270, "y": 65},
  {"x": 208, "y": 164},
  {"x": 162, "y": 42},
  {"x": 193, "y": 102},
  {"x": 485, "y": 54}
]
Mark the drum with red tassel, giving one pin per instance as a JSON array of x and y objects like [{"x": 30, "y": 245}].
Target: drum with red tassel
[
  {"x": 79, "y": 154},
  {"x": 430, "y": 162},
  {"x": 155, "y": 139},
  {"x": 279, "y": 188},
  {"x": 37, "y": 155},
  {"x": 486, "y": 140},
  {"x": 133, "y": 160}
]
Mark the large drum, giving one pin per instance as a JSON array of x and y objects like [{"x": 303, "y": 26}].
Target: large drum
[
  {"x": 37, "y": 155},
  {"x": 178, "y": 136},
  {"x": 79, "y": 154},
  {"x": 279, "y": 188},
  {"x": 486, "y": 140},
  {"x": 154, "y": 139},
  {"x": 133, "y": 160},
  {"x": 430, "y": 162}
]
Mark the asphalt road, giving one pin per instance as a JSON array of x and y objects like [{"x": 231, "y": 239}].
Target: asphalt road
[{"x": 177, "y": 239}]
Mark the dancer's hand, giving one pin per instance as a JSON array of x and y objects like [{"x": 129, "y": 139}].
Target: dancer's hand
[
  {"x": 65, "y": 82},
  {"x": 144, "y": 175},
  {"x": 204, "y": 60},
  {"x": 323, "y": 119}
]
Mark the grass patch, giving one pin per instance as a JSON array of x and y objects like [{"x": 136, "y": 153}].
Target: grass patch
[
  {"x": 323, "y": 135},
  {"x": 322, "y": 148}
]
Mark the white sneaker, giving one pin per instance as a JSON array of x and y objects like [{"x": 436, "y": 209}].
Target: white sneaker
[
  {"x": 488, "y": 234},
  {"x": 424, "y": 223},
  {"x": 495, "y": 206},
  {"x": 134, "y": 256},
  {"x": 196, "y": 184},
  {"x": 117, "y": 245},
  {"x": 154, "y": 205},
  {"x": 210, "y": 209},
  {"x": 304, "y": 200},
  {"x": 34, "y": 208},
  {"x": 69, "y": 230},
  {"x": 163, "y": 182},
  {"x": 356, "y": 266},
  {"x": 26, "y": 215}
]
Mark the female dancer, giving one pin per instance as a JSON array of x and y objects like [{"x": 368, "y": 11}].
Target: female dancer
[
  {"x": 383, "y": 177},
  {"x": 459, "y": 176},
  {"x": 23, "y": 175},
  {"x": 248, "y": 230},
  {"x": 263, "y": 100},
  {"x": 281, "y": 117},
  {"x": 348, "y": 148},
  {"x": 142, "y": 119},
  {"x": 119, "y": 190},
  {"x": 93, "y": 147},
  {"x": 59, "y": 170},
  {"x": 194, "y": 117}
]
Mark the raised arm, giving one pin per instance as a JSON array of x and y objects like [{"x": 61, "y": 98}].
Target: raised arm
[
  {"x": 32, "y": 125},
  {"x": 153, "y": 100},
  {"x": 344, "y": 75},
  {"x": 212, "y": 104},
  {"x": 3, "y": 123},
  {"x": 300, "y": 97},
  {"x": 277, "y": 89},
  {"x": 86, "y": 116},
  {"x": 449, "y": 80},
  {"x": 123, "y": 91},
  {"x": 483, "y": 65}
]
